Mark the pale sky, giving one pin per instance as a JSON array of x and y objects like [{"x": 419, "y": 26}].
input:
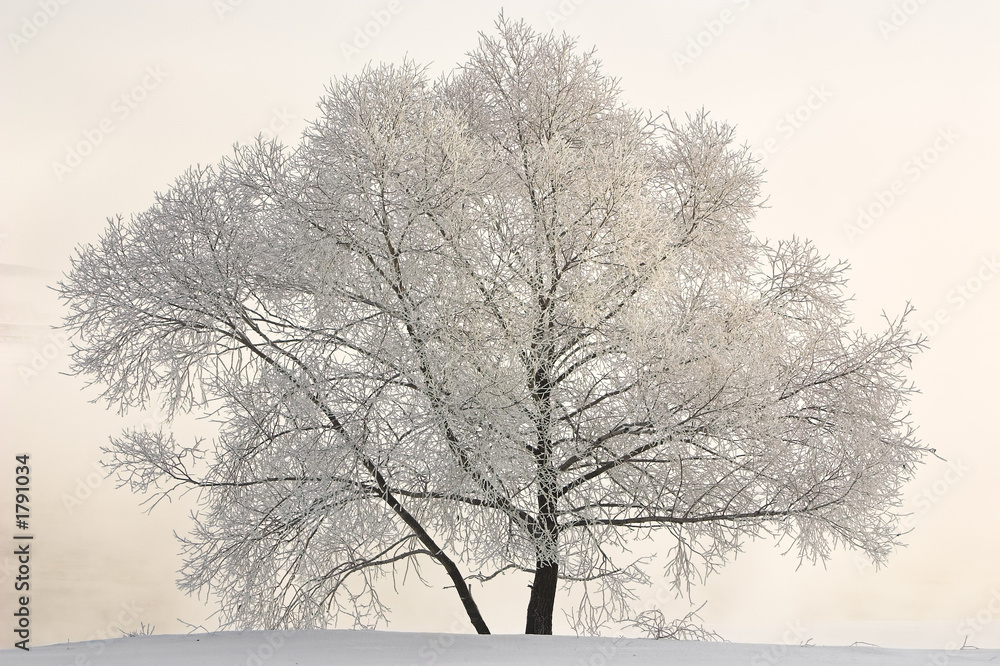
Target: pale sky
[{"x": 877, "y": 123}]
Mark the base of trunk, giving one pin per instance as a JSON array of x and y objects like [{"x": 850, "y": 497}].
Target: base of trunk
[{"x": 541, "y": 605}]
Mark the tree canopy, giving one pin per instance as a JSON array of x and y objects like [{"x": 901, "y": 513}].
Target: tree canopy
[{"x": 499, "y": 322}]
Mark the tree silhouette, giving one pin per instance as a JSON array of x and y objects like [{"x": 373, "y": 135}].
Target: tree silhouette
[{"x": 500, "y": 322}]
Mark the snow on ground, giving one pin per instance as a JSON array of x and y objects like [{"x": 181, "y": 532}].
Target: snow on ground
[{"x": 381, "y": 648}]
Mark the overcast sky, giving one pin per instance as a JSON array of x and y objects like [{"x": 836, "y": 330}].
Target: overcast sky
[{"x": 877, "y": 124}]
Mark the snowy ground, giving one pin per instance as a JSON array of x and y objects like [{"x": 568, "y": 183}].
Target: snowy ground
[{"x": 306, "y": 648}]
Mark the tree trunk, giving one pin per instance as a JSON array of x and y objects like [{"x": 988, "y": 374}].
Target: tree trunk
[
  {"x": 464, "y": 593},
  {"x": 541, "y": 605}
]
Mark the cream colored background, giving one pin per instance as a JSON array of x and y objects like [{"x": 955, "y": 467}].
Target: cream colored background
[{"x": 232, "y": 74}]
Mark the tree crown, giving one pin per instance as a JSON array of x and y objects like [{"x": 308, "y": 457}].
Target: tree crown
[{"x": 497, "y": 320}]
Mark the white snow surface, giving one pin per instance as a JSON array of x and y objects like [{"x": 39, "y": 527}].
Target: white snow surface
[{"x": 381, "y": 648}]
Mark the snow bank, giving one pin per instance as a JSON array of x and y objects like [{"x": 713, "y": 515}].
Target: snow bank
[{"x": 381, "y": 648}]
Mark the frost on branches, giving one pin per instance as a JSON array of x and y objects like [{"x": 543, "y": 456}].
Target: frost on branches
[{"x": 496, "y": 322}]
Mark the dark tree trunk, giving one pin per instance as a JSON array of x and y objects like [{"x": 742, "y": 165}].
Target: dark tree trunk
[
  {"x": 464, "y": 593},
  {"x": 542, "y": 603},
  {"x": 545, "y": 531}
]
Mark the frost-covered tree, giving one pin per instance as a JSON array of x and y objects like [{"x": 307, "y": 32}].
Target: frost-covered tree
[{"x": 498, "y": 322}]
